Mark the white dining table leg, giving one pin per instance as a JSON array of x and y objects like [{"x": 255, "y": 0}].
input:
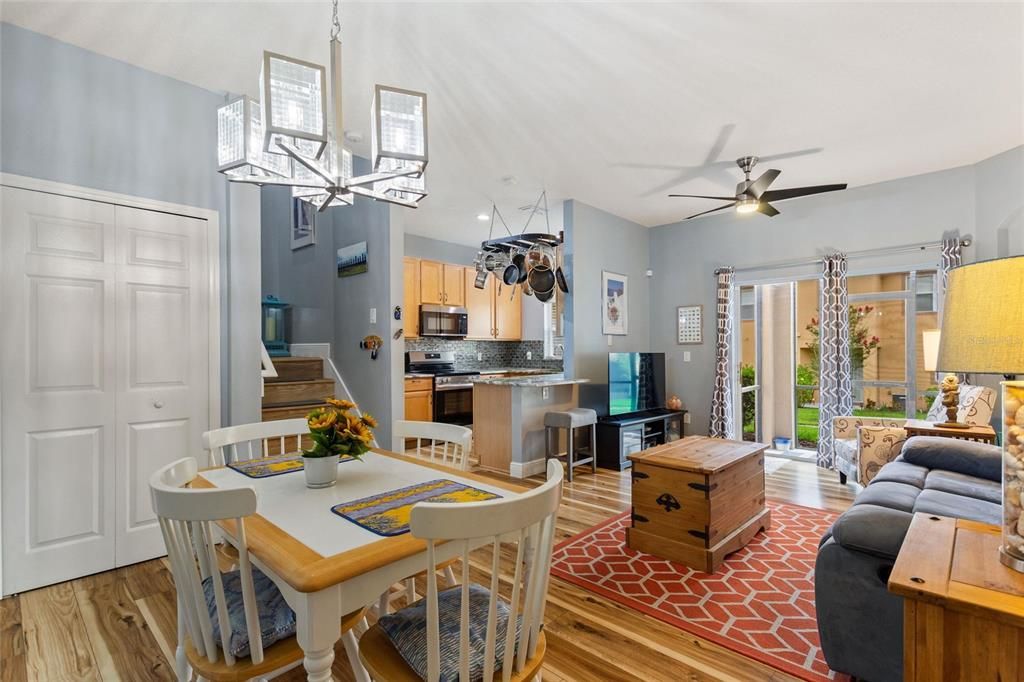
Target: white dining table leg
[{"x": 317, "y": 615}]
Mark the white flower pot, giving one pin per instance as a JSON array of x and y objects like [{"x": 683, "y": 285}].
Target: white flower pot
[{"x": 321, "y": 472}]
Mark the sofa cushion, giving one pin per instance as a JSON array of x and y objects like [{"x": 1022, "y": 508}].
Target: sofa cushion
[
  {"x": 962, "y": 456},
  {"x": 902, "y": 472},
  {"x": 889, "y": 494},
  {"x": 872, "y": 529},
  {"x": 942, "y": 503},
  {"x": 968, "y": 486}
]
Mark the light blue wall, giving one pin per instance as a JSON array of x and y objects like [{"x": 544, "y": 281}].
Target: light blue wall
[
  {"x": 597, "y": 241},
  {"x": 72, "y": 116},
  {"x": 984, "y": 201}
]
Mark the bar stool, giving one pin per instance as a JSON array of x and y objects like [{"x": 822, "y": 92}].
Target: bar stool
[{"x": 571, "y": 420}]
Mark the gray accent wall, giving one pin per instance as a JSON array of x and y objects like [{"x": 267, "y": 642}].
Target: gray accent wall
[
  {"x": 336, "y": 310},
  {"x": 597, "y": 241},
  {"x": 985, "y": 200},
  {"x": 73, "y": 116}
]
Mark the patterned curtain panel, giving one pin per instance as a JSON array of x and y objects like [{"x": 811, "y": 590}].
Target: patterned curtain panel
[
  {"x": 721, "y": 400},
  {"x": 950, "y": 257},
  {"x": 834, "y": 371}
]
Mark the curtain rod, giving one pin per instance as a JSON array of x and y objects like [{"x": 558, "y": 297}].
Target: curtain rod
[{"x": 852, "y": 254}]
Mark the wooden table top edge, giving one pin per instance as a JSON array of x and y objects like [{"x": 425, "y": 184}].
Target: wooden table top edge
[
  {"x": 939, "y": 587},
  {"x": 308, "y": 571},
  {"x": 655, "y": 455}
]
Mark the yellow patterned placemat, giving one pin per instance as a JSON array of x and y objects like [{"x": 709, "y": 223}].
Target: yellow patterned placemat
[
  {"x": 388, "y": 513},
  {"x": 264, "y": 467}
]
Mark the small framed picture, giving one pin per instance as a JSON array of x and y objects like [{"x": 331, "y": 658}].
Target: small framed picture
[
  {"x": 303, "y": 224},
  {"x": 690, "y": 323},
  {"x": 352, "y": 260},
  {"x": 615, "y": 306}
]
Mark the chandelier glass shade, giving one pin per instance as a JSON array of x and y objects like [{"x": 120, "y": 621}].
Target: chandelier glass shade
[{"x": 293, "y": 136}]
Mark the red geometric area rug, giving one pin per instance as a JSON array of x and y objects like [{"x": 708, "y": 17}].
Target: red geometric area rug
[{"x": 760, "y": 603}]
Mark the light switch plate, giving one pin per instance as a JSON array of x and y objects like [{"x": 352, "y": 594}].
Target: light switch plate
[
  {"x": 686, "y": 356},
  {"x": 529, "y": 355},
  {"x": 373, "y": 316},
  {"x": 545, "y": 392},
  {"x": 686, "y": 418},
  {"x": 479, "y": 357}
]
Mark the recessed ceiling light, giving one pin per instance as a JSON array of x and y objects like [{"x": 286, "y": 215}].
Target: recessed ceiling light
[{"x": 483, "y": 216}]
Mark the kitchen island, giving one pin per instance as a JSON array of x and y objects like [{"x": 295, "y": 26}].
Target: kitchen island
[{"x": 508, "y": 419}]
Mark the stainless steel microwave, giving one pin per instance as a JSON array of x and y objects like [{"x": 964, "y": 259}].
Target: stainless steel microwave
[{"x": 443, "y": 320}]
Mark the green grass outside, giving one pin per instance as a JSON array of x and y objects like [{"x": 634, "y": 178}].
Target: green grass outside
[{"x": 807, "y": 420}]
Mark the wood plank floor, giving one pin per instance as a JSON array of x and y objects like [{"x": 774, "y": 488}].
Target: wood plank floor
[{"x": 120, "y": 625}]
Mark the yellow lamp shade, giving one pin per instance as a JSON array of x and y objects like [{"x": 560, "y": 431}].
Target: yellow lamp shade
[{"x": 983, "y": 318}]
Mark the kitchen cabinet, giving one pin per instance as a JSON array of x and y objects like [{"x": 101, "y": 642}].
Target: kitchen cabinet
[
  {"x": 508, "y": 313},
  {"x": 431, "y": 282},
  {"x": 493, "y": 315},
  {"x": 411, "y": 296},
  {"x": 479, "y": 307},
  {"x": 419, "y": 399},
  {"x": 454, "y": 284},
  {"x": 442, "y": 283}
]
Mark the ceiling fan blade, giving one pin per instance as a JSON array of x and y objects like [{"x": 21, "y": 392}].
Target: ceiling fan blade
[
  {"x": 720, "y": 208},
  {"x": 794, "y": 192},
  {"x": 757, "y": 187},
  {"x": 702, "y": 196},
  {"x": 719, "y": 144},
  {"x": 767, "y": 209},
  {"x": 765, "y": 158}
]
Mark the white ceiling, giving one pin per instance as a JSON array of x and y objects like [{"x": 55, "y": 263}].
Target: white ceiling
[{"x": 572, "y": 96}]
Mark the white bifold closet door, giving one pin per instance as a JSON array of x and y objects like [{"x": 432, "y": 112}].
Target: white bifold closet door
[{"x": 105, "y": 378}]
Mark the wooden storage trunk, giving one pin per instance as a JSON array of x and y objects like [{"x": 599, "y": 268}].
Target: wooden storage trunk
[{"x": 697, "y": 499}]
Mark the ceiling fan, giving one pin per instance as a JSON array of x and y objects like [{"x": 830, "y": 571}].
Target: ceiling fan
[{"x": 754, "y": 195}]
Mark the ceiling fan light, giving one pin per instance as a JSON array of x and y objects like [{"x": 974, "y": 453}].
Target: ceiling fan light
[{"x": 747, "y": 205}]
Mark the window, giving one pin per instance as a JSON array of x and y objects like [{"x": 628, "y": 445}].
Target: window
[
  {"x": 747, "y": 298},
  {"x": 925, "y": 294},
  {"x": 554, "y": 343}
]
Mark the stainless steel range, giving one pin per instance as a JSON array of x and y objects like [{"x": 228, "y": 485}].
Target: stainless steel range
[{"x": 453, "y": 391}]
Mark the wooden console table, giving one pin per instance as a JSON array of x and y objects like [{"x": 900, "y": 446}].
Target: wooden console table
[
  {"x": 963, "y": 611},
  {"x": 920, "y": 427}
]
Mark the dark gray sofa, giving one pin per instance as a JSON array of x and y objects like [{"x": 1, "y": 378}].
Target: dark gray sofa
[{"x": 860, "y": 623}]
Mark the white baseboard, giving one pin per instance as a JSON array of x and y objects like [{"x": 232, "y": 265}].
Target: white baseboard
[{"x": 527, "y": 469}]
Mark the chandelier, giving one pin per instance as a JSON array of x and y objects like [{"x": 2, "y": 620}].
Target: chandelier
[{"x": 293, "y": 135}]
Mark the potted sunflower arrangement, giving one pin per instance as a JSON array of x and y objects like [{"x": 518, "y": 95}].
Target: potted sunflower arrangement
[{"x": 336, "y": 430}]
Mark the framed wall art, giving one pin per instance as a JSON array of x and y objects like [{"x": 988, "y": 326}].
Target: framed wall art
[
  {"x": 690, "y": 324},
  {"x": 303, "y": 224},
  {"x": 615, "y": 304}
]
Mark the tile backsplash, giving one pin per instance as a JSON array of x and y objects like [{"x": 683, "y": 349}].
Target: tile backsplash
[{"x": 496, "y": 354}]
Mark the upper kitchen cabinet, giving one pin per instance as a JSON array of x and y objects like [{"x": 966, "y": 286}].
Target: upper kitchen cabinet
[
  {"x": 493, "y": 315},
  {"x": 508, "y": 313},
  {"x": 411, "y": 296},
  {"x": 431, "y": 282},
  {"x": 479, "y": 307},
  {"x": 442, "y": 283}
]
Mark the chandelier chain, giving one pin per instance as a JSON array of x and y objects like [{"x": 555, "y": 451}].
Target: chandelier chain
[{"x": 335, "y": 22}]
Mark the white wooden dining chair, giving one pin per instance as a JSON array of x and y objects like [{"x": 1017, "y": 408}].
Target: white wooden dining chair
[
  {"x": 252, "y": 441},
  {"x": 445, "y": 444},
  {"x": 528, "y": 522},
  {"x": 224, "y": 618}
]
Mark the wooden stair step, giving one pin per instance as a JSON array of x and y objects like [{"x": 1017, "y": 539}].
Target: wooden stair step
[
  {"x": 297, "y": 369},
  {"x": 281, "y": 393},
  {"x": 270, "y": 414}
]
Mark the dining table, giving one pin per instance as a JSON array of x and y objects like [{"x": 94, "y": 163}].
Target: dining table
[{"x": 324, "y": 564}]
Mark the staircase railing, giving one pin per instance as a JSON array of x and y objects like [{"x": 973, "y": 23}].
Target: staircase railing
[{"x": 267, "y": 369}]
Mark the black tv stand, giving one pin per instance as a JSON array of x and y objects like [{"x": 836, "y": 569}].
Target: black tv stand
[{"x": 625, "y": 434}]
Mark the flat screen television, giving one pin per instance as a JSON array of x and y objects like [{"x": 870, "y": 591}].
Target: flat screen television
[{"x": 636, "y": 382}]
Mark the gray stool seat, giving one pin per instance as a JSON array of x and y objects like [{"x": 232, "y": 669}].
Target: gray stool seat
[
  {"x": 570, "y": 420},
  {"x": 574, "y": 418}
]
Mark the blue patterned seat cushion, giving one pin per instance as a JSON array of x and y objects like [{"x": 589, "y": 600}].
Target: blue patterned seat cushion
[
  {"x": 407, "y": 630},
  {"x": 277, "y": 620}
]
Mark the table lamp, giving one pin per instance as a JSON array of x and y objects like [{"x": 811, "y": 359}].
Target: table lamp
[
  {"x": 983, "y": 333},
  {"x": 950, "y": 386}
]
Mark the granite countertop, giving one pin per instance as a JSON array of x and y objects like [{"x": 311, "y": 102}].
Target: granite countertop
[
  {"x": 519, "y": 370},
  {"x": 542, "y": 381}
]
